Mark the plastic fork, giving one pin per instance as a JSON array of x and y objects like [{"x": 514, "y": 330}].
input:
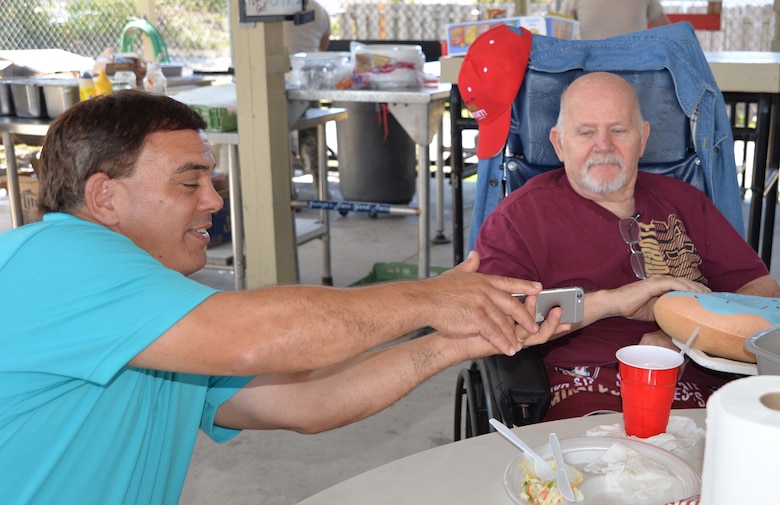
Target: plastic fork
[
  {"x": 543, "y": 469},
  {"x": 686, "y": 347},
  {"x": 562, "y": 479}
]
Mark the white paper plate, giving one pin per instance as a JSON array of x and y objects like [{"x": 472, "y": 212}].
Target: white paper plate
[
  {"x": 581, "y": 451},
  {"x": 717, "y": 363}
]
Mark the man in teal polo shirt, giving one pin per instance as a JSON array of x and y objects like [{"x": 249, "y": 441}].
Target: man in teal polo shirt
[{"x": 111, "y": 358}]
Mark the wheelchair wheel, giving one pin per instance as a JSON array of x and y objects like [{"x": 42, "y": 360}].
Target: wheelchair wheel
[{"x": 477, "y": 409}]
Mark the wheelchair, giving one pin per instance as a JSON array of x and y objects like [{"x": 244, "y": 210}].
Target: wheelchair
[{"x": 668, "y": 69}]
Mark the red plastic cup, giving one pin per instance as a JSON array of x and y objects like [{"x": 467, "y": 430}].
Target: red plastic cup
[{"x": 648, "y": 379}]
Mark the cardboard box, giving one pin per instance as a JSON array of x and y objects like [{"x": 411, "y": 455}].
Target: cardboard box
[
  {"x": 562, "y": 27},
  {"x": 460, "y": 36},
  {"x": 28, "y": 192}
]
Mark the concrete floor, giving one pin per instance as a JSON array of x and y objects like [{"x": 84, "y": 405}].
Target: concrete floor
[{"x": 282, "y": 468}]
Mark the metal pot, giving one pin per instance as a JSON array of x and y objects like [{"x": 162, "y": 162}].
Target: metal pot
[
  {"x": 59, "y": 94},
  {"x": 28, "y": 98}
]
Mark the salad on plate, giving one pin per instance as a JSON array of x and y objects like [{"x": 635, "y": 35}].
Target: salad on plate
[{"x": 540, "y": 492}]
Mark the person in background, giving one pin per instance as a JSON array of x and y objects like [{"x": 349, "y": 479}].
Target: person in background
[
  {"x": 625, "y": 236},
  {"x": 308, "y": 38},
  {"x": 111, "y": 358},
  {"x": 600, "y": 19}
]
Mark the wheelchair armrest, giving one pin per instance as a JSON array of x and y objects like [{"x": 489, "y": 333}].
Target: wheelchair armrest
[{"x": 520, "y": 386}]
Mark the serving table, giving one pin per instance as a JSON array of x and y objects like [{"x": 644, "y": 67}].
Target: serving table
[
  {"x": 420, "y": 114},
  {"x": 470, "y": 471},
  {"x": 744, "y": 77}
]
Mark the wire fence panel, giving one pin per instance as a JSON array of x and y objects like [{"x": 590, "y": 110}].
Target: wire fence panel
[
  {"x": 72, "y": 26},
  {"x": 744, "y": 27},
  {"x": 193, "y": 30},
  {"x": 196, "y": 32}
]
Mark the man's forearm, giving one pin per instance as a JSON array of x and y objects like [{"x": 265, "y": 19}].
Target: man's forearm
[{"x": 763, "y": 286}]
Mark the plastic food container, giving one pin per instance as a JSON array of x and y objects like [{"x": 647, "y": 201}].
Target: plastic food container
[
  {"x": 321, "y": 70},
  {"x": 766, "y": 346},
  {"x": 388, "y": 67}
]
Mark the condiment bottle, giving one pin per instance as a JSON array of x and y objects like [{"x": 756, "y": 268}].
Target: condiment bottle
[
  {"x": 103, "y": 85},
  {"x": 155, "y": 81},
  {"x": 86, "y": 87}
]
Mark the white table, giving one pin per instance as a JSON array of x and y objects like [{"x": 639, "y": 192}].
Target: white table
[
  {"x": 745, "y": 71},
  {"x": 469, "y": 472},
  {"x": 420, "y": 114}
]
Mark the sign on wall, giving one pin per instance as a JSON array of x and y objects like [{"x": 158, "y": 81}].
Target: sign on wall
[{"x": 259, "y": 11}]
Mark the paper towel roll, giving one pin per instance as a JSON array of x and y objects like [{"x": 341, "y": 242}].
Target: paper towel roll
[{"x": 742, "y": 450}]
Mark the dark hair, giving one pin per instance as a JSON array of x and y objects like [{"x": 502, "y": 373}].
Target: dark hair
[{"x": 103, "y": 134}]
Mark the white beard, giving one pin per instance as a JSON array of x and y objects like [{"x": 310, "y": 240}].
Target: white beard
[{"x": 604, "y": 187}]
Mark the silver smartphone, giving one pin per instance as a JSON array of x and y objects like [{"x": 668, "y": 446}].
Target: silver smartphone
[{"x": 571, "y": 300}]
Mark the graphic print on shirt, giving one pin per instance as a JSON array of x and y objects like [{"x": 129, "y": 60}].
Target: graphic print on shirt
[{"x": 668, "y": 250}]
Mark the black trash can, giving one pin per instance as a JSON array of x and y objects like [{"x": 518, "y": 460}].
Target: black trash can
[{"x": 377, "y": 158}]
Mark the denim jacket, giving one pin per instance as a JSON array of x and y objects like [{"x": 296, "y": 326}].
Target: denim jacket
[{"x": 673, "y": 47}]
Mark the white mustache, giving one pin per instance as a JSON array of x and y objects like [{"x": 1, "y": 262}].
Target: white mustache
[{"x": 604, "y": 159}]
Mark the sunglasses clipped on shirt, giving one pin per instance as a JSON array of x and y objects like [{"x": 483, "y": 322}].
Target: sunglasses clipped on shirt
[{"x": 629, "y": 231}]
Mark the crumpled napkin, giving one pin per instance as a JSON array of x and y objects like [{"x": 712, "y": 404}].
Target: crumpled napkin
[
  {"x": 681, "y": 434},
  {"x": 629, "y": 473}
]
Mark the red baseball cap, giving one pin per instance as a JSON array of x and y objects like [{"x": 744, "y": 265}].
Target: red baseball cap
[{"x": 490, "y": 77}]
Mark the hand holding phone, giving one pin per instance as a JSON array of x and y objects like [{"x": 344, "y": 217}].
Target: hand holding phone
[{"x": 571, "y": 300}]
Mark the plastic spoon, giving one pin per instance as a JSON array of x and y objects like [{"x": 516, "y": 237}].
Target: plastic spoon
[
  {"x": 543, "y": 469},
  {"x": 684, "y": 349}
]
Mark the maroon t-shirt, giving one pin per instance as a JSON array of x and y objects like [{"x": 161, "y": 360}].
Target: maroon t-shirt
[{"x": 545, "y": 231}]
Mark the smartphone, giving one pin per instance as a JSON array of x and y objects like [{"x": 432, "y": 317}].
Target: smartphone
[{"x": 571, "y": 300}]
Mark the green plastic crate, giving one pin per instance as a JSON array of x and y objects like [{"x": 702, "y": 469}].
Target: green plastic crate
[
  {"x": 218, "y": 119},
  {"x": 383, "y": 272}
]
